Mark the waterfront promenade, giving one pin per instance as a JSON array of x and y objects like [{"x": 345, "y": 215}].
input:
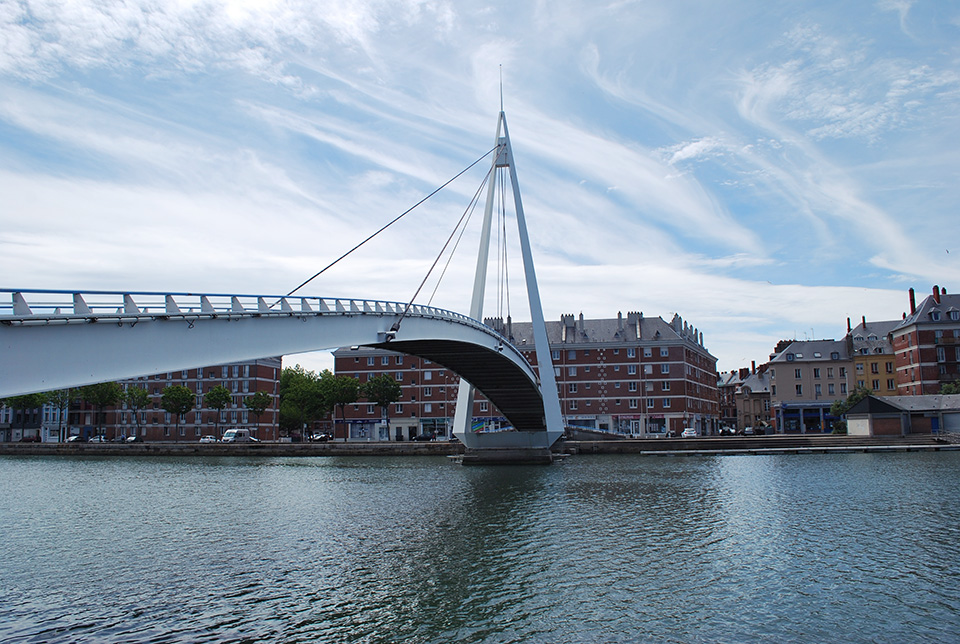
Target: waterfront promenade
[{"x": 790, "y": 443}]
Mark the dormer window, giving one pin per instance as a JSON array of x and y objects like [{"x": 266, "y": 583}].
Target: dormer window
[
  {"x": 835, "y": 355},
  {"x": 955, "y": 315},
  {"x": 935, "y": 315},
  {"x": 799, "y": 355},
  {"x": 789, "y": 357},
  {"x": 816, "y": 354}
]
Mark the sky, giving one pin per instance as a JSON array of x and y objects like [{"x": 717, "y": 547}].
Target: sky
[{"x": 766, "y": 170}]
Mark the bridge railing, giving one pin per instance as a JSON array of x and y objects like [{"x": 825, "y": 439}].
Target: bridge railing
[{"x": 44, "y": 306}]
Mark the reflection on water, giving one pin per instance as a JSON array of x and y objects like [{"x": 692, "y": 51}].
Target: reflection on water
[{"x": 793, "y": 548}]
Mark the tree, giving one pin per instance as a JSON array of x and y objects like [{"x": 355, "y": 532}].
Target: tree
[
  {"x": 101, "y": 396},
  {"x": 841, "y": 407},
  {"x": 177, "y": 400},
  {"x": 338, "y": 392},
  {"x": 950, "y": 388},
  {"x": 258, "y": 403},
  {"x": 61, "y": 399},
  {"x": 383, "y": 390},
  {"x": 217, "y": 398},
  {"x": 23, "y": 403},
  {"x": 137, "y": 398},
  {"x": 301, "y": 400}
]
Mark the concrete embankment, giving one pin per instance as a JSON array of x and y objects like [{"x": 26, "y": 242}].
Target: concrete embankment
[{"x": 789, "y": 444}]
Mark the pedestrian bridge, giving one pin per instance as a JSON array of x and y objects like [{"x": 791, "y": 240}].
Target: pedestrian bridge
[{"x": 54, "y": 339}]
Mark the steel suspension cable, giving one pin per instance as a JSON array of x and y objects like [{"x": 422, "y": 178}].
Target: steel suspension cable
[
  {"x": 469, "y": 209},
  {"x": 390, "y": 223}
]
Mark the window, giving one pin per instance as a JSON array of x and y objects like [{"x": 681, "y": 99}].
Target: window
[
  {"x": 427, "y": 408},
  {"x": 797, "y": 373},
  {"x": 773, "y": 390},
  {"x": 889, "y": 367},
  {"x": 666, "y": 403},
  {"x": 829, "y": 372},
  {"x": 875, "y": 385},
  {"x": 571, "y": 371},
  {"x": 843, "y": 389},
  {"x": 398, "y": 376},
  {"x": 665, "y": 385},
  {"x": 816, "y": 372},
  {"x": 555, "y": 354},
  {"x": 831, "y": 389},
  {"x": 843, "y": 373},
  {"x": 835, "y": 355},
  {"x": 369, "y": 409},
  {"x": 631, "y": 386},
  {"x": 664, "y": 368},
  {"x": 941, "y": 354},
  {"x": 817, "y": 391},
  {"x": 650, "y": 403},
  {"x": 428, "y": 375},
  {"x": 647, "y": 352},
  {"x": 789, "y": 357},
  {"x": 427, "y": 391},
  {"x": 399, "y": 360},
  {"x": 483, "y": 406},
  {"x": 573, "y": 405},
  {"x": 664, "y": 352},
  {"x": 370, "y": 361},
  {"x": 398, "y": 409},
  {"x": 631, "y": 353},
  {"x": 891, "y": 383},
  {"x": 875, "y": 368},
  {"x": 384, "y": 360},
  {"x": 935, "y": 316},
  {"x": 799, "y": 390},
  {"x": 632, "y": 369},
  {"x": 572, "y": 388},
  {"x": 633, "y": 403},
  {"x": 571, "y": 354}
]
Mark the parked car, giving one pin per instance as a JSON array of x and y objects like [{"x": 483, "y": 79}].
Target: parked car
[
  {"x": 97, "y": 439},
  {"x": 424, "y": 437},
  {"x": 208, "y": 439},
  {"x": 77, "y": 439},
  {"x": 134, "y": 439},
  {"x": 30, "y": 439},
  {"x": 748, "y": 431},
  {"x": 689, "y": 432},
  {"x": 322, "y": 437}
]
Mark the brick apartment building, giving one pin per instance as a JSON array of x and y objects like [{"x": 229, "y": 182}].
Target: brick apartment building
[
  {"x": 242, "y": 379},
  {"x": 926, "y": 344},
  {"x": 627, "y": 375}
]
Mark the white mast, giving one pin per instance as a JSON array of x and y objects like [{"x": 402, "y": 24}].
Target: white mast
[{"x": 553, "y": 418}]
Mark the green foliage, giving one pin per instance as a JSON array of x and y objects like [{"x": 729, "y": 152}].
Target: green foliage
[
  {"x": 339, "y": 391},
  {"x": 841, "y": 407},
  {"x": 301, "y": 400},
  {"x": 258, "y": 403},
  {"x": 61, "y": 399},
  {"x": 950, "y": 388},
  {"x": 217, "y": 398},
  {"x": 27, "y": 401},
  {"x": 137, "y": 398},
  {"x": 382, "y": 390},
  {"x": 177, "y": 400},
  {"x": 101, "y": 396}
]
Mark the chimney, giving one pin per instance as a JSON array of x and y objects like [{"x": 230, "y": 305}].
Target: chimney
[
  {"x": 913, "y": 302},
  {"x": 848, "y": 326},
  {"x": 753, "y": 366},
  {"x": 864, "y": 319},
  {"x": 936, "y": 294}
]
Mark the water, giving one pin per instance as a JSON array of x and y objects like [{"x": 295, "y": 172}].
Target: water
[{"x": 787, "y": 548}]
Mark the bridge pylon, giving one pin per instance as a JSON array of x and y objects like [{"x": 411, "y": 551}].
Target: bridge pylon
[{"x": 510, "y": 445}]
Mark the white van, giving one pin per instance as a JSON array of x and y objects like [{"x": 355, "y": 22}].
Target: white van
[{"x": 238, "y": 436}]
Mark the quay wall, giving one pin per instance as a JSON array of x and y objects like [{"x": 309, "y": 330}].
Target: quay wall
[{"x": 661, "y": 446}]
